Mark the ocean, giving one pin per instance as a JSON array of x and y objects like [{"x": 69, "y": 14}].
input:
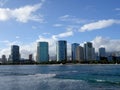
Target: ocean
[{"x": 60, "y": 77}]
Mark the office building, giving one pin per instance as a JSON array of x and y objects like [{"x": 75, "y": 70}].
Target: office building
[
  {"x": 61, "y": 50},
  {"x": 4, "y": 59},
  {"x": 88, "y": 51},
  {"x": 93, "y": 54},
  {"x": 30, "y": 57},
  {"x": 79, "y": 54},
  {"x": 74, "y": 51},
  {"x": 42, "y": 52},
  {"x": 102, "y": 52},
  {"x": 15, "y": 54}
]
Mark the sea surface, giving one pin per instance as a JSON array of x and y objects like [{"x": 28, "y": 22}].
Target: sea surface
[{"x": 60, "y": 77}]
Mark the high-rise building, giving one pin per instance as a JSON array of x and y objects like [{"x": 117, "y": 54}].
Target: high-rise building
[
  {"x": 15, "y": 54},
  {"x": 30, "y": 57},
  {"x": 102, "y": 52},
  {"x": 88, "y": 51},
  {"x": 4, "y": 59},
  {"x": 74, "y": 51},
  {"x": 61, "y": 50},
  {"x": 79, "y": 54},
  {"x": 42, "y": 52},
  {"x": 93, "y": 54}
]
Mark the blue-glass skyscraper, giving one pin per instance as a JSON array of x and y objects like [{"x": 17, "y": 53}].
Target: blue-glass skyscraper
[
  {"x": 61, "y": 50},
  {"x": 15, "y": 54},
  {"x": 102, "y": 52},
  {"x": 74, "y": 51},
  {"x": 42, "y": 52}
]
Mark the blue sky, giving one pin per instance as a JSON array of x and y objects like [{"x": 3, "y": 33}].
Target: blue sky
[{"x": 25, "y": 22}]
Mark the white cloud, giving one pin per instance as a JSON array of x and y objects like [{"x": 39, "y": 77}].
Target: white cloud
[
  {"x": 57, "y": 25},
  {"x": 22, "y": 14},
  {"x": 46, "y": 33},
  {"x": 9, "y": 43},
  {"x": 34, "y": 27},
  {"x": 72, "y": 19},
  {"x": 5, "y": 51},
  {"x": 65, "y": 34},
  {"x": 17, "y": 37},
  {"x": 109, "y": 44},
  {"x": 117, "y": 9},
  {"x": 73, "y": 28},
  {"x": 5, "y": 14},
  {"x": 3, "y": 2},
  {"x": 26, "y": 49},
  {"x": 69, "y": 32},
  {"x": 5, "y": 41},
  {"x": 98, "y": 25},
  {"x": 63, "y": 18}
]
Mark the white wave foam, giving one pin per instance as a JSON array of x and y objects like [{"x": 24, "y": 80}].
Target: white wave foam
[
  {"x": 99, "y": 80},
  {"x": 43, "y": 75},
  {"x": 74, "y": 71}
]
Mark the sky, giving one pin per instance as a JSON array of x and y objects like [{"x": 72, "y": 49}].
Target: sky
[{"x": 26, "y": 22}]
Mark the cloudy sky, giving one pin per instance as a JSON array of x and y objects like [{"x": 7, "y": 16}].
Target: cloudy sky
[{"x": 26, "y": 22}]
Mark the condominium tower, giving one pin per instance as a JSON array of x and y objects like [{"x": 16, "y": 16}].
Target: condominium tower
[
  {"x": 89, "y": 51},
  {"x": 74, "y": 51},
  {"x": 80, "y": 54},
  {"x": 15, "y": 54},
  {"x": 61, "y": 50},
  {"x": 42, "y": 52},
  {"x": 102, "y": 52}
]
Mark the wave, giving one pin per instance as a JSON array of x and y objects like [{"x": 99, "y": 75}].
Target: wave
[
  {"x": 105, "y": 74},
  {"x": 74, "y": 71},
  {"x": 104, "y": 81},
  {"x": 109, "y": 82},
  {"x": 38, "y": 75},
  {"x": 43, "y": 75},
  {"x": 13, "y": 74}
]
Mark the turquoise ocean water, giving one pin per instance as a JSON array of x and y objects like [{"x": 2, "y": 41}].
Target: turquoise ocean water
[{"x": 60, "y": 77}]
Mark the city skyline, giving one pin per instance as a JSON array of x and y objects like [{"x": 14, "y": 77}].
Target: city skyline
[
  {"x": 78, "y": 52},
  {"x": 27, "y": 22}
]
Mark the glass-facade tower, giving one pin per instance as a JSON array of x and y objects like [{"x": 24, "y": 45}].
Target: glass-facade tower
[
  {"x": 15, "y": 54},
  {"x": 74, "y": 51},
  {"x": 42, "y": 52},
  {"x": 102, "y": 52},
  {"x": 62, "y": 50}
]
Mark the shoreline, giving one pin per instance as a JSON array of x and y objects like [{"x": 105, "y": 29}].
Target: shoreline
[{"x": 67, "y": 64}]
